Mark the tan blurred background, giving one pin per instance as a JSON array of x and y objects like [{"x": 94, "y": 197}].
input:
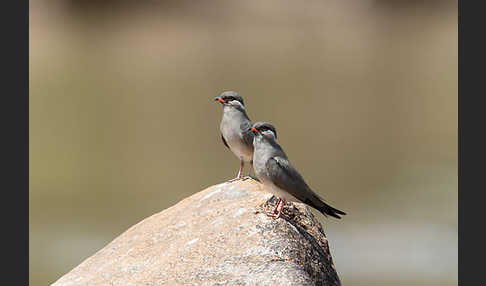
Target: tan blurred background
[{"x": 363, "y": 94}]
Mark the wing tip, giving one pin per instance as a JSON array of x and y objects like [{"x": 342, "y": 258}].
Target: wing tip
[{"x": 328, "y": 210}]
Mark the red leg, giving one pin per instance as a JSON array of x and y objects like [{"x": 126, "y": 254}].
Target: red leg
[
  {"x": 242, "y": 165},
  {"x": 249, "y": 172},
  {"x": 272, "y": 214},
  {"x": 238, "y": 177},
  {"x": 281, "y": 208},
  {"x": 276, "y": 206}
]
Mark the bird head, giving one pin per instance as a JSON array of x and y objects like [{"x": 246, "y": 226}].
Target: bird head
[
  {"x": 231, "y": 99},
  {"x": 264, "y": 129}
]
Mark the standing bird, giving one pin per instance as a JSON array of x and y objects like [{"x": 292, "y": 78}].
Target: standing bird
[
  {"x": 235, "y": 129},
  {"x": 278, "y": 175}
]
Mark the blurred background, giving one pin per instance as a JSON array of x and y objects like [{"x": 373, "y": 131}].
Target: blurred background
[{"x": 123, "y": 123}]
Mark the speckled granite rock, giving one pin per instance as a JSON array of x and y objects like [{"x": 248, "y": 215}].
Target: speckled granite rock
[{"x": 219, "y": 236}]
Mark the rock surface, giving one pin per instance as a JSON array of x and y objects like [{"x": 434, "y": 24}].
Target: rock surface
[{"x": 219, "y": 236}]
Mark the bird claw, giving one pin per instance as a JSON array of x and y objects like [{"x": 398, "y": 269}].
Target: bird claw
[
  {"x": 272, "y": 214},
  {"x": 275, "y": 214}
]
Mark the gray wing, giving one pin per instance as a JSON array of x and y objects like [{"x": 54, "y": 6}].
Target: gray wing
[
  {"x": 286, "y": 177},
  {"x": 245, "y": 128},
  {"x": 224, "y": 141}
]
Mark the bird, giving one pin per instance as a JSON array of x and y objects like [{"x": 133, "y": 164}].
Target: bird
[
  {"x": 235, "y": 128},
  {"x": 278, "y": 175}
]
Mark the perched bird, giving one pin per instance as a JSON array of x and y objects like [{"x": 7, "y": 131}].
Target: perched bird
[
  {"x": 235, "y": 129},
  {"x": 278, "y": 176}
]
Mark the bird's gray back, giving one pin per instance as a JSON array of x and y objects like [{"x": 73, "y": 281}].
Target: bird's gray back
[
  {"x": 273, "y": 167},
  {"x": 283, "y": 175}
]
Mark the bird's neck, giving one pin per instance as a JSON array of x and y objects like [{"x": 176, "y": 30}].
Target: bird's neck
[
  {"x": 234, "y": 113},
  {"x": 267, "y": 147}
]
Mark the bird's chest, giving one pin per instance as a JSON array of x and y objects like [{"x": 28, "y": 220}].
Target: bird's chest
[
  {"x": 259, "y": 159},
  {"x": 230, "y": 133},
  {"x": 234, "y": 138},
  {"x": 260, "y": 171}
]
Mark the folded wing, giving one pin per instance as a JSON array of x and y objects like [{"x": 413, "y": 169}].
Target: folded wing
[{"x": 285, "y": 176}]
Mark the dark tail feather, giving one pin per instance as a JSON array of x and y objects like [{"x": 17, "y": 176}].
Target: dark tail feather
[{"x": 328, "y": 210}]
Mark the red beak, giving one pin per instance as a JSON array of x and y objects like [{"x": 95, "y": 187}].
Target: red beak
[
  {"x": 253, "y": 129},
  {"x": 220, "y": 100}
]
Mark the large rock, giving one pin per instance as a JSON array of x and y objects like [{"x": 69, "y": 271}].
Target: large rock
[{"x": 219, "y": 236}]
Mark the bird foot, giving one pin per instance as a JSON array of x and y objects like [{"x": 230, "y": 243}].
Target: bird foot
[
  {"x": 277, "y": 211},
  {"x": 272, "y": 214},
  {"x": 275, "y": 214},
  {"x": 235, "y": 179}
]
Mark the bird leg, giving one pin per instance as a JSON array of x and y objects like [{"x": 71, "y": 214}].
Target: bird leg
[
  {"x": 274, "y": 212},
  {"x": 277, "y": 211},
  {"x": 249, "y": 172},
  {"x": 238, "y": 177},
  {"x": 281, "y": 208}
]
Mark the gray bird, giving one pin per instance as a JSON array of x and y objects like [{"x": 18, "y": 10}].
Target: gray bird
[
  {"x": 235, "y": 129},
  {"x": 278, "y": 176}
]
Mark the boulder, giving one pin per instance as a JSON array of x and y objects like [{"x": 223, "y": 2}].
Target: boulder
[{"x": 219, "y": 236}]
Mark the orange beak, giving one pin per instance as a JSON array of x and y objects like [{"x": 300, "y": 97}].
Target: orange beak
[
  {"x": 253, "y": 129},
  {"x": 220, "y": 100}
]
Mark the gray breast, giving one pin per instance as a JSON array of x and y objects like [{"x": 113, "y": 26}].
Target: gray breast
[
  {"x": 235, "y": 128},
  {"x": 262, "y": 153}
]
